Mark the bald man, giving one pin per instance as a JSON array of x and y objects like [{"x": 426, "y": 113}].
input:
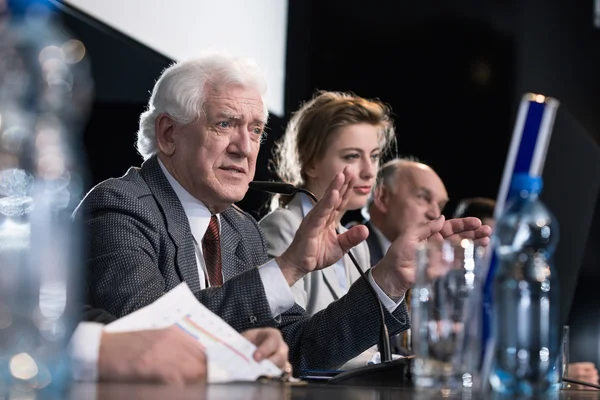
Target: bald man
[{"x": 407, "y": 193}]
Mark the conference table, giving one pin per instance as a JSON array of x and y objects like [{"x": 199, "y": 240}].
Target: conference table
[{"x": 278, "y": 390}]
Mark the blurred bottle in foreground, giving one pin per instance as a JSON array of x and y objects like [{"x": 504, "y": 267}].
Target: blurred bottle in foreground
[
  {"x": 525, "y": 293},
  {"x": 45, "y": 91}
]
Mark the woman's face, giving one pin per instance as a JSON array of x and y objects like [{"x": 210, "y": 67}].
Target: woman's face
[{"x": 354, "y": 145}]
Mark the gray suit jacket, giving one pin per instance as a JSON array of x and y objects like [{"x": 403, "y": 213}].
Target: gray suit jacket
[
  {"x": 140, "y": 246},
  {"x": 318, "y": 289}
]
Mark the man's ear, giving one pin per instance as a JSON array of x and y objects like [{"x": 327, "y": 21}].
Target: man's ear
[
  {"x": 164, "y": 128},
  {"x": 381, "y": 198}
]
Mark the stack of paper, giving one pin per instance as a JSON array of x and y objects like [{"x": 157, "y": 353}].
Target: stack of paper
[{"x": 229, "y": 354}]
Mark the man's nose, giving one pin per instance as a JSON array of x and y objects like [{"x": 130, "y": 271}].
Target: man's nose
[
  {"x": 433, "y": 212},
  {"x": 241, "y": 142}
]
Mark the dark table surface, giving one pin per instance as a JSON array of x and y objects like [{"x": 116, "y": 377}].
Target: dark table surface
[{"x": 276, "y": 391}]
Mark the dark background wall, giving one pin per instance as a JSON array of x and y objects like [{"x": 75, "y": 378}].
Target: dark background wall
[{"x": 452, "y": 73}]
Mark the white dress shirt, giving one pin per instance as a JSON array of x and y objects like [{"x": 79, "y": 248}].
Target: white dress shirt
[{"x": 84, "y": 349}]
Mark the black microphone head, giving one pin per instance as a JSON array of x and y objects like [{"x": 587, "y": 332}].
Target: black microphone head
[{"x": 273, "y": 187}]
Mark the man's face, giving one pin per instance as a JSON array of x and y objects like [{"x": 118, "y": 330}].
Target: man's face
[
  {"x": 418, "y": 196},
  {"x": 214, "y": 158}
]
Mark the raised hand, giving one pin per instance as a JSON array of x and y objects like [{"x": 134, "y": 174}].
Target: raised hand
[
  {"x": 396, "y": 272},
  {"x": 316, "y": 244}
]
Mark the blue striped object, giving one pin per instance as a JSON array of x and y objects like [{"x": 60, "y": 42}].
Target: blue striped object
[{"x": 527, "y": 153}]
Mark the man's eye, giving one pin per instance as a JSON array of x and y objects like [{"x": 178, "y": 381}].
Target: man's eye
[
  {"x": 258, "y": 131},
  {"x": 223, "y": 124}
]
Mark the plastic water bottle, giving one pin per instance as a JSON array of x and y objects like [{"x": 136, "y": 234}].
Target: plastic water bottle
[
  {"x": 45, "y": 90},
  {"x": 525, "y": 293}
]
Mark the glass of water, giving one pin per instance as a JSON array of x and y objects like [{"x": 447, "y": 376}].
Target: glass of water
[
  {"x": 445, "y": 314},
  {"x": 561, "y": 366}
]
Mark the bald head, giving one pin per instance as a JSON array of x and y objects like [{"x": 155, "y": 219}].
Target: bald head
[{"x": 407, "y": 193}]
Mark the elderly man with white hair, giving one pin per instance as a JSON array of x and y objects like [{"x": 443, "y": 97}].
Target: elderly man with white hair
[{"x": 174, "y": 220}]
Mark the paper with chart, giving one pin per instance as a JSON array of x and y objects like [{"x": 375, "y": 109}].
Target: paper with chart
[{"x": 229, "y": 353}]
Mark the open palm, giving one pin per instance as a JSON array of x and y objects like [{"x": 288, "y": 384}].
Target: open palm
[
  {"x": 396, "y": 272},
  {"x": 316, "y": 244}
]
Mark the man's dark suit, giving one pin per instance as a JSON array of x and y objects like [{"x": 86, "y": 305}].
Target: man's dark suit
[
  {"x": 140, "y": 246},
  {"x": 374, "y": 244}
]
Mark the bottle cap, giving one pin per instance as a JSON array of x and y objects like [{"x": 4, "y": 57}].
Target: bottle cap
[{"x": 525, "y": 182}]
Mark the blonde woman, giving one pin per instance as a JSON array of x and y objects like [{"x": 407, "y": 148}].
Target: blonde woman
[{"x": 328, "y": 133}]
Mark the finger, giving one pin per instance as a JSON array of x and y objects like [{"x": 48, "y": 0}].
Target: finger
[
  {"x": 425, "y": 231},
  {"x": 280, "y": 357},
  {"x": 346, "y": 190},
  {"x": 484, "y": 242},
  {"x": 349, "y": 178},
  {"x": 457, "y": 225},
  {"x": 344, "y": 195},
  {"x": 268, "y": 341},
  {"x": 436, "y": 239},
  {"x": 321, "y": 212},
  {"x": 585, "y": 365},
  {"x": 288, "y": 368},
  {"x": 352, "y": 237}
]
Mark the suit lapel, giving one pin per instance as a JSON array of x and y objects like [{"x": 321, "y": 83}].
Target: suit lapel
[
  {"x": 233, "y": 257},
  {"x": 177, "y": 223}
]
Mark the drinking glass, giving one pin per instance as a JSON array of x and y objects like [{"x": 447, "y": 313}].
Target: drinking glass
[{"x": 445, "y": 314}]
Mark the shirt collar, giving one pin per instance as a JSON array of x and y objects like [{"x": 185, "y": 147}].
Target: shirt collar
[{"x": 197, "y": 213}]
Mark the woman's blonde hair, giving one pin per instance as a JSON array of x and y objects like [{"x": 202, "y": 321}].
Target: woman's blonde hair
[{"x": 312, "y": 128}]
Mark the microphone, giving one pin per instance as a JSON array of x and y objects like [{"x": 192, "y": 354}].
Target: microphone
[{"x": 287, "y": 189}]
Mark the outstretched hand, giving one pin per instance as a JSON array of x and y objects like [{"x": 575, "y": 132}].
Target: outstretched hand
[
  {"x": 316, "y": 244},
  {"x": 396, "y": 272}
]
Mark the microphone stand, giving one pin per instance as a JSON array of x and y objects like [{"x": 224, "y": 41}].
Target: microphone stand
[{"x": 287, "y": 189}]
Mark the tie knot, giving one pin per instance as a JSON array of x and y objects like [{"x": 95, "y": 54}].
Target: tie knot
[{"x": 212, "y": 233}]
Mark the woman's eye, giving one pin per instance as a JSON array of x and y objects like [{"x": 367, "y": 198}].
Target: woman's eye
[{"x": 351, "y": 157}]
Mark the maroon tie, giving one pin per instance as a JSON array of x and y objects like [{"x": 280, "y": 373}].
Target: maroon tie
[{"x": 211, "y": 247}]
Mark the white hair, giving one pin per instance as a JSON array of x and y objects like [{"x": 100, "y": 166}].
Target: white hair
[{"x": 179, "y": 92}]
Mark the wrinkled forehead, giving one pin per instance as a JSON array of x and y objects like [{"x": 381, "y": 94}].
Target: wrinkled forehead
[{"x": 234, "y": 102}]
